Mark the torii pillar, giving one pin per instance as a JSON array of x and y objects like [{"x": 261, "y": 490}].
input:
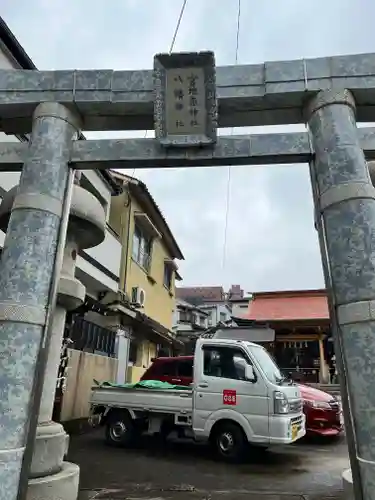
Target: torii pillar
[{"x": 345, "y": 199}]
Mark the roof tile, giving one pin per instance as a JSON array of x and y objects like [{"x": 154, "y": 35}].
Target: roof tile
[
  {"x": 284, "y": 306},
  {"x": 201, "y": 293}
]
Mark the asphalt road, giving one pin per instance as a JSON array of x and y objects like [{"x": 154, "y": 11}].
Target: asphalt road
[{"x": 186, "y": 471}]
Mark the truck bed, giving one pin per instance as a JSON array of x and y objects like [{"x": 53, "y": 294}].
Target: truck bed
[{"x": 156, "y": 400}]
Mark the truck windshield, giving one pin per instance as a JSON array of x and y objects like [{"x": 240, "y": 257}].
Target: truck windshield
[{"x": 269, "y": 367}]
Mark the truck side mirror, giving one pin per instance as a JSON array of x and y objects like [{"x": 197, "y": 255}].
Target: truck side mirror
[{"x": 250, "y": 374}]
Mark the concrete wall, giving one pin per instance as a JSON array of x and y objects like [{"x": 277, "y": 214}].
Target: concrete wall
[
  {"x": 146, "y": 351},
  {"x": 108, "y": 253},
  {"x": 240, "y": 309},
  {"x": 83, "y": 369},
  {"x": 134, "y": 374}
]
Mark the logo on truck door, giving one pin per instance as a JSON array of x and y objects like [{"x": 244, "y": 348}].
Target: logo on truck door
[{"x": 229, "y": 397}]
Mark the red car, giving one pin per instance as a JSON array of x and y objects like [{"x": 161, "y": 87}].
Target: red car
[{"x": 323, "y": 412}]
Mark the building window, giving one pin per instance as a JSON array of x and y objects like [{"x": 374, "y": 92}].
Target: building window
[
  {"x": 185, "y": 316},
  {"x": 142, "y": 246},
  {"x": 168, "y": 276},
  {"x": 133, "y": 348},
  {"x": 223, "y": 317}
]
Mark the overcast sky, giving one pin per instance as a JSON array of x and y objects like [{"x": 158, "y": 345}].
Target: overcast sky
[{"x": 271, "y": 243}]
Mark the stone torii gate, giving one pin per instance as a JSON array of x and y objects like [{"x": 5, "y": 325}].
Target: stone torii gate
[{"x": 329, "y": 94}]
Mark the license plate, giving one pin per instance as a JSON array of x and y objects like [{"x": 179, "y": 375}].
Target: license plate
[{"x": 294, "y": 432}]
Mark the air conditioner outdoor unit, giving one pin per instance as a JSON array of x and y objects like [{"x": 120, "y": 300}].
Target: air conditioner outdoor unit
[{"x": 138, "y": 296}]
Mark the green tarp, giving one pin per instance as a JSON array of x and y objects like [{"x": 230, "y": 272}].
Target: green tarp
[{"x": 145, "y": 384}]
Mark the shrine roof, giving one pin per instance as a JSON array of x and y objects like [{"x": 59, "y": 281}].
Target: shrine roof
[{"x": 296, "y": 305}]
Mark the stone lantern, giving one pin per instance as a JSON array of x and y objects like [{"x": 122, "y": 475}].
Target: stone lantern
[{"x": 86, "y": 229}]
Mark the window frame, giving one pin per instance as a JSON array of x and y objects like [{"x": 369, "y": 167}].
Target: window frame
[
  {"x": 185, "y": 316},
  {"x": 221, "y": 314},
  {"x": 143, "y": 254},
  {"x": 168, "y": 270},
  {"x": 235, "y": 349}
]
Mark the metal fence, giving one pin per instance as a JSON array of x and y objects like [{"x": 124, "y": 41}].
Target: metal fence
[{"x": 89, "y": 337}]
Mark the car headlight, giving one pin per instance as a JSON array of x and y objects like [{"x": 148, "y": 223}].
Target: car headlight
[
  {"x": 281, "y": 405},
  {"x": 322, "y": 405}
]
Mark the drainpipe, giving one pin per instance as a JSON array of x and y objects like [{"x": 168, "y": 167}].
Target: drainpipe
[
  {"x": 124, "y": 267},
  {"x": 124, "y": 338}
]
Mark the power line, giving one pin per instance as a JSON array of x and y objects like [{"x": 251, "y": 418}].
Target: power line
[
  {"x": 226, "y": 218},
  {"x": 238, "y": 31},
  {"x": 172, "y": 45},
  {"x": 229, "y": 167},
  {"x": 177, "y": 26}
]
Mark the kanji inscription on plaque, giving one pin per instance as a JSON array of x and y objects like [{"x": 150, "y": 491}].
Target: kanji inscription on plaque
[{"x": 185, "y": 106}]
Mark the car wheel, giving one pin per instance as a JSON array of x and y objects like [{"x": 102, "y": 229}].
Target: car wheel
[
  {"x": 120, "y": 430},
  {"x": 229, "y": 442}
]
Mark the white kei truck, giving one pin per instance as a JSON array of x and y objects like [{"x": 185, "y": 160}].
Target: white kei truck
[{"x": 239, "y": 398}]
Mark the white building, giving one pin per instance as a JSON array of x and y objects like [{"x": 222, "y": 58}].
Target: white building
[
  {"x": 189, "y": 321},
  {"x": 240, "y": 307},
  {"x": 211, "y": 299},
  {"x": 188, "y": 318},
  {"x": 97, "y": 268},
  {"x": 218, "y": 312}
]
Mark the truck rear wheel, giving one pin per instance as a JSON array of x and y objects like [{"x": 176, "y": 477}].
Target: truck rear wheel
[
  {"x": 120, "y": 430},
  {"x": 229, "y": 442}
]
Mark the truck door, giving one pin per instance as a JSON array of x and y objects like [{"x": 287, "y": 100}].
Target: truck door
[{"x": 221, "y": 387}]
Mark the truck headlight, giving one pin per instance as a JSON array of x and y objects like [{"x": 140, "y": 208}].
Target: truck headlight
[{"x": 281, "y": 405}]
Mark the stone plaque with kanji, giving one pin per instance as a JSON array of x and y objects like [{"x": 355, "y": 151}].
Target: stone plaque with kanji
[{"x": 185, "y": 108}]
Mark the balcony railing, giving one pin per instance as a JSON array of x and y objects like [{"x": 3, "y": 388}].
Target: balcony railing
[
  {"x": 189, "y": 318},
  {"x": 89, "y": 337}
]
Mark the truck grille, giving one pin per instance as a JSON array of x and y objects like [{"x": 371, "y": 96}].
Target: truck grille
[{"x": 295, "y": 406}]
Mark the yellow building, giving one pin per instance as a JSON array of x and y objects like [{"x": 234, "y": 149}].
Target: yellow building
[{"x": 148, "y": 270}]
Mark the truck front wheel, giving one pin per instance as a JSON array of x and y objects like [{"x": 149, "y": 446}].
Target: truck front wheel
[
  {"x": 229, "y": 441},
  {"x": 120, "y": 430}
]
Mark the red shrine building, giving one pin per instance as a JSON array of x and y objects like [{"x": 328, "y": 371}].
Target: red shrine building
[{"x": 303, "y": 345}]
